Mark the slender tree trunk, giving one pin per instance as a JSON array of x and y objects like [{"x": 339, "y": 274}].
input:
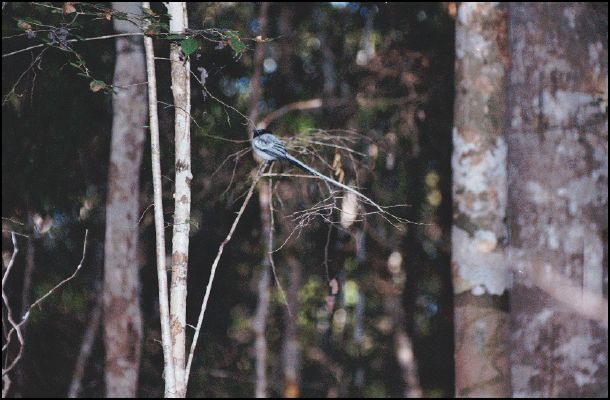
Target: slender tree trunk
[
  {"x": 26, "y": 296},
  {"x": 264, "y": 200},
  {"x": 86, "y": 347},
  {"x": 260, "y": 323},
  {"x": 181, "y": 90},
  {"x": 291, "y": 354},
  {"x": 392, "y": 292},
  {"x": 93, "y": 325},
  {"x": 122, "y": 316},
  {"x": 558, "y": 200},
  {"x": 480, "y": 274},
  {"x": 169, "y": 372},
  {"x": 256, "y": 87}
]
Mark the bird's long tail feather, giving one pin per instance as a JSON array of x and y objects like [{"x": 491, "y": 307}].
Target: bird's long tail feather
[{"x": 312, "y": 171}]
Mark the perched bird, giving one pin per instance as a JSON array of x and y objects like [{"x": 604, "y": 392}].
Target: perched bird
[{"x": 269, "y": 147}]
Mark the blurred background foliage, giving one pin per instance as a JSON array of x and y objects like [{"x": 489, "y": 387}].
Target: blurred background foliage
[{"x": 382, "y": 70}]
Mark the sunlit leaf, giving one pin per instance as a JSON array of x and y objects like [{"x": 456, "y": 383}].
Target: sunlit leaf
[
  {"x": 189, "y": 46},
  {"x": 235, "y": 42}
]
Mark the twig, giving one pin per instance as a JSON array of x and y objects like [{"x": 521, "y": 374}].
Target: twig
[
  {"x": 560, "y": 287},
  {"x": 17, "y": 327},
  {"x": 208, "y": 289},
  {"x": 86, "y": 346},
  {"x": 298, "y": 105},
  {"x": 32, "y": 64},
  {"x": 74, "y": 40}
]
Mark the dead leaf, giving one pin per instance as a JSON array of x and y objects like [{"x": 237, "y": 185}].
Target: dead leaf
[
  {"x": 69, "y": 7},
  {"x": 24, "y": 25},
  {"x": 338, "y": 167}
]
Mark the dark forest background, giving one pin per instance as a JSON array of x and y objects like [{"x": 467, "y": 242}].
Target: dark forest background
[{"x": 397, "y": 59}]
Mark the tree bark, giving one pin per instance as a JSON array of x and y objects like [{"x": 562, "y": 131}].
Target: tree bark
[
  {"x": 479, "y": 234},
  {"x": 291, "y": 354},
  {"x": 169, "y": 372},
  {"x": 86, "y": 347},
  {"x": 93, "y": 326},
  {"x": 122, "y": 315},
  {"x": 558, "y": 199},
  {"x": 264, "y": 199},
  {"x": 392, "y": 291},
  {"x": 256, "y": 87},
  {"x": 181, "y": 90}
]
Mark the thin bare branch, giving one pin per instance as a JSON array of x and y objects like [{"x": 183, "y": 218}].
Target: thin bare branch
[
  {"x": 73, "y": 41},
  {"x": 208, "y": 289},
  {"x": 16, "y": 327},
  {"x": 86, "y": 347},
  {"x": 561, "y": 288},
  {"x": 30, "y": 67}
]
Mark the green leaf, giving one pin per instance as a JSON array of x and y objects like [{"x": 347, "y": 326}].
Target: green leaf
[
  {"x": 235, "y": 42},
  {"x": 189, "y": 46}
]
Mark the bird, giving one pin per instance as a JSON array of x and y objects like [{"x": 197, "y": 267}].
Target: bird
[{"x": 269, "y": 148}]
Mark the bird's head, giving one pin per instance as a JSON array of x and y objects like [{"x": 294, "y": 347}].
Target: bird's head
[{"x": 258, "y": 132}]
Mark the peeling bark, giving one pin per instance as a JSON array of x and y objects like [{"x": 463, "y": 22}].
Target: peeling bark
[
  {"x": 122, "y": 315},
  {"x": 558, "y": 201},
  {"x": 480, "y": 275}
]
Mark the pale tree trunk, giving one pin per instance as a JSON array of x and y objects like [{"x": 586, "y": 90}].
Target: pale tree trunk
[
  {"x": 181, "y": 90},
  {"x": 558, "y": 199},
  {"x": 122, "y": 316},
  {"x": 169, "y": 374},
  {"x": 26, "y": 295},
  {"x": 479, "y": 234}
]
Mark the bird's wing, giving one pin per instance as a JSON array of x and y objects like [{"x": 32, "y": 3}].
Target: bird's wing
[{"x": 270, "y": 144}]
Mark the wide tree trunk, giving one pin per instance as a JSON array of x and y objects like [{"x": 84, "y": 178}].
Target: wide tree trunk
[
  {"x": 479, "y": 234},
  {"x": 558, "y": 198},
  {"x": 122, "y": 315}
]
